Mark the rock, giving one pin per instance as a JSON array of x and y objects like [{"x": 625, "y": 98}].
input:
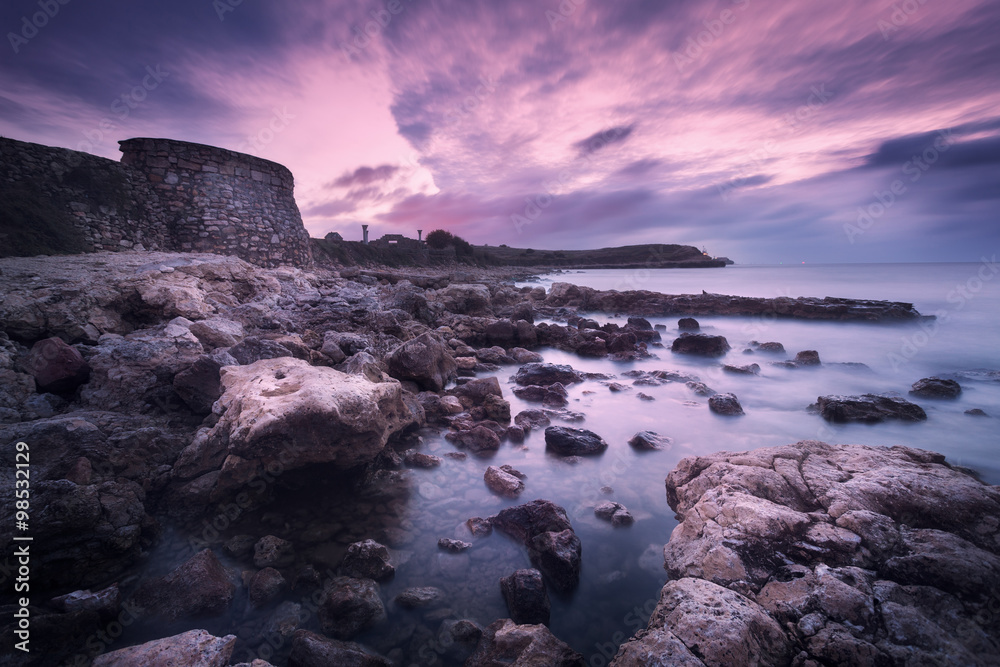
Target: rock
[
  {"x": 414, "y": 598},
  {"x": 935, "y": 387},
  {"x": 453, "y": 546},
  {"x": 106, "y": 602},
  {"x": 645, "y": 397},
  {"x": 552, "y": 545},
  {"x": 416, "y": 459},
  {"x": 503, "y": 483},
  {"x": 365, "y": 365},
  {"x": 349, "y": 606},
  {"x": 496, "y": 354},
  {"x": 751, "y": 369},
  {"x": 425, "y": 360},
  {"x": 265, "y": 586},
  {"x": 700, "y": 344},
  {"x": 526, "y": 597},
  {"x": 312, "y": 650},
  {"x": 493, "y": 408},
  {"x": 479, "y": 527},
  {"x": 725, "y": 404},
  {"x": 475, "y": 392},
  {"x": 280, "y": 413},
  {"x": 553, "y": 395},
  {"x": 350, "y": 343},
  {"x": 640, "y": 323},
  {"x": 614, "y": 512},
  {"x": 771, "y": 347},
  {"x": 688, "y": 324},
  {"x": 199, "y": 587},
  {"x": 543, "y": 374},
  {"x": 567, "y": 441},
  {"x": 271, "y": 551},
  {"x": 720, "y": 626},
  {"x": 478, "y": 440},
  {"x": 869, "y": 408},
  {"x": 331, "y": 347},
  {"x": 199, "y": 385},
  {"x": 194, "y": 648},
  {"x": 700, "y": 388},
  {"x": 368, "y": 560},
  {"x": 532, "y": 419},
  {"x": 807, "y": 358},
  {"x": 506, "y": 643},
  {"x": 523, "y": 356},
  {"x": 857, "y": 548},
  {"x": 252, "y": 349},
  {"x": 465, "y": 299},
  {"x": 239, "y": 546},
  {"x": 646, "y": 441},
  {"x": 976, "y": 412},
  {"x": 217, "y": 332},
  {"x": 57, "y": 367}
]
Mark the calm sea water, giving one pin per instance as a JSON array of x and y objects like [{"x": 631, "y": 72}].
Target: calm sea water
[{"x": 623, "y": 567}]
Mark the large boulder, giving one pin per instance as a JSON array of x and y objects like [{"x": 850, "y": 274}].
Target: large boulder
[
  {"x": 553, "y": 547},
  {"x": 194, "y": 648},
  {"x": 217, "y": 332},
  {"x": 312, "y": 650},
  {"x": 368, "y": 560},
  {"x": 57, "y": 367},
  {"x": 253, "y": 349},
  {"x": 349, "y": 606},
  {"x": 567, "y": 441},
  {"x": 505, "y": 642},
  {"x": 465, "y": 299},
  {"x": 425, "y": 360},
  {"x": 700, "y": 344},
  {"x": 502, "y": 482},
  {"x": 526, "y": 597},
  {"x": 199, "y": 385},
  {"x": 725, "y": 404},
  {"x": 869, "y": 408},
  {"x": 543, "y": 374},
  {"x": 199, "y": 587},
  {"x": 935, "y": 387},
  {"x": 648, "y": 441},
  {"x": 840, "y": 554},
  {"x": 286, "y": 414}
]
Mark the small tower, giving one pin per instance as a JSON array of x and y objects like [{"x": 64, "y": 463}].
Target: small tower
[
  {"x": 364, "y": 232},
  {"x": 420, "y": 235}
]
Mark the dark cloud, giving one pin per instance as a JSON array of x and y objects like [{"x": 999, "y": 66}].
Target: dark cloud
[
  {"x": 941, "y": 149},
  {"x": 364, "y": 176},
  {"x": 604, "y": 138}
]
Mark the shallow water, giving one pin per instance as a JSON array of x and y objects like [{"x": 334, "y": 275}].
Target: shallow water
[{"x": 623, "y": 567}]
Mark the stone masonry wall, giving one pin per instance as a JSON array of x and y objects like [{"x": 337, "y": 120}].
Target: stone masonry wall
[{"x": 165, "y": 195}]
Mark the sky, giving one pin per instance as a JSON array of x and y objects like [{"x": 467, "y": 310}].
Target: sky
[{"x": 765, "y": 131}]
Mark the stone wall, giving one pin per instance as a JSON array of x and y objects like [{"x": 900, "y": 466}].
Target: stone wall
[{"x": 164, "y": 195}]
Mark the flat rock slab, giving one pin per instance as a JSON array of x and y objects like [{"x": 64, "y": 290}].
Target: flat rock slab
[
  {"x": 870, "y": 408},
  {"x": 838, "y": 554},
  {"x": 195, "y": 648}
]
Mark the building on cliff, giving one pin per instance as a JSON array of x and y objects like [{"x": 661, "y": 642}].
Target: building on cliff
[{"x": 163, "y": 195}]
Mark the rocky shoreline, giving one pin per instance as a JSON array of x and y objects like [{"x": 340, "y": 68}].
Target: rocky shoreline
[{"x": 158, "y": 389}]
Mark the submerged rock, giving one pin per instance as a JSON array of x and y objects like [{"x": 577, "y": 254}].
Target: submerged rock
[
  {"x": 750, "y": 369},
  {"x": 935, "y": 387},
  {"x": 312, "y": 650},
  {"x": 868, "y": 408},
  {"x": 567, "y": 441},
  {"x": 700, "y": 344},
  {"x": 807, "y": 358},
  {"x": 647, "y": 441},
  {"x": 506, "y": 643},
  {"x": 543, "y": 374},
  {"x": 368, "y": 560},
  {"x": 725, "y": 404},
  {"x": 553, "y": 547},
  {"x": 199, "y": 587},
  {"x": 526, "y": 597},
  {"x": 349, "y": 606},
  {"x": 503, "y": 483}
]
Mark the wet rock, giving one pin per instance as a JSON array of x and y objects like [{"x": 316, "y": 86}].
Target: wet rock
[
  {"x": 57, "y": 367},
  {"x": 869, "y": 408},
  {"x": 552, "y": 545},
  {"x": 199, "y": 587},
  {"x": 465, "y": 299},
  {"x": 532, "y": 419},
  {"x": 807, "y": 358},
  {"x": 195, "y": 648},
  {"x": 496, "y": 354},
  {"x": 199, "y": 385},
  {"x": 751, "y": 369},
  {"x": 645, "y": 397},
  {"x": 252, "y": 349},
  {"x": 567, "y": 441},
  {"x": 368, "y": 560},
  {"x": 506, "y": 643},
  {"x": 700, "y": 344},
  {"x": 688, "y": 324},
  {"x": 479, "y": 527},
  {"x": 478, "y": 440},
  {"x": 614, "y": 512},
  {"x": 526, "y": 597},
  {"x": 646, "y": 441},
  {"x": 503, "y": 483},
  {"x": 239, "y": 546},
  {"x": 414, "y": 598},
  {"x": 217, "y": 332},
  {"x": 976, "y": 412},
  {"x": 553, "y": 395},
  {"x": 935, "y": 387},
  {"x": 475, "y": 392},
  {"x": 312, "y": 650},
  {"x": 106, "y": 602},
  {"x": 771, "y": 347},
  {"x": 455, "y": 546},
  {"x": 701, "y": 388},
  {"x": 544, "y": 374},
  {"x": 616, "y": 387},
  {"x": 271, "y": 551},
  {"x": 416, "y": 459},
  {"x": 425, "y": 359},
  {"x": 523, "y": 356},
  {"x": 349, "y": 606},
  {"x": 265, "y": 586},
  {"x": 725, "y": 404}
]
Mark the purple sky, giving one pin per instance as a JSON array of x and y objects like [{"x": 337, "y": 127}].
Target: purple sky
[{"x": 764, "y": 130}]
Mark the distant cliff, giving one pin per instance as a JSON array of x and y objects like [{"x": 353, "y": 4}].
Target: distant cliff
[{"x": 164, "y": 195}]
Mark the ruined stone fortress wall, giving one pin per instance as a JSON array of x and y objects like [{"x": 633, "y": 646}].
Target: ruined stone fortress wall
[{"x": 166, "y": 195}]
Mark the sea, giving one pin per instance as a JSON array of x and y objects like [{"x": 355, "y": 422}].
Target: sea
[{"x": 622, "y": 569}]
